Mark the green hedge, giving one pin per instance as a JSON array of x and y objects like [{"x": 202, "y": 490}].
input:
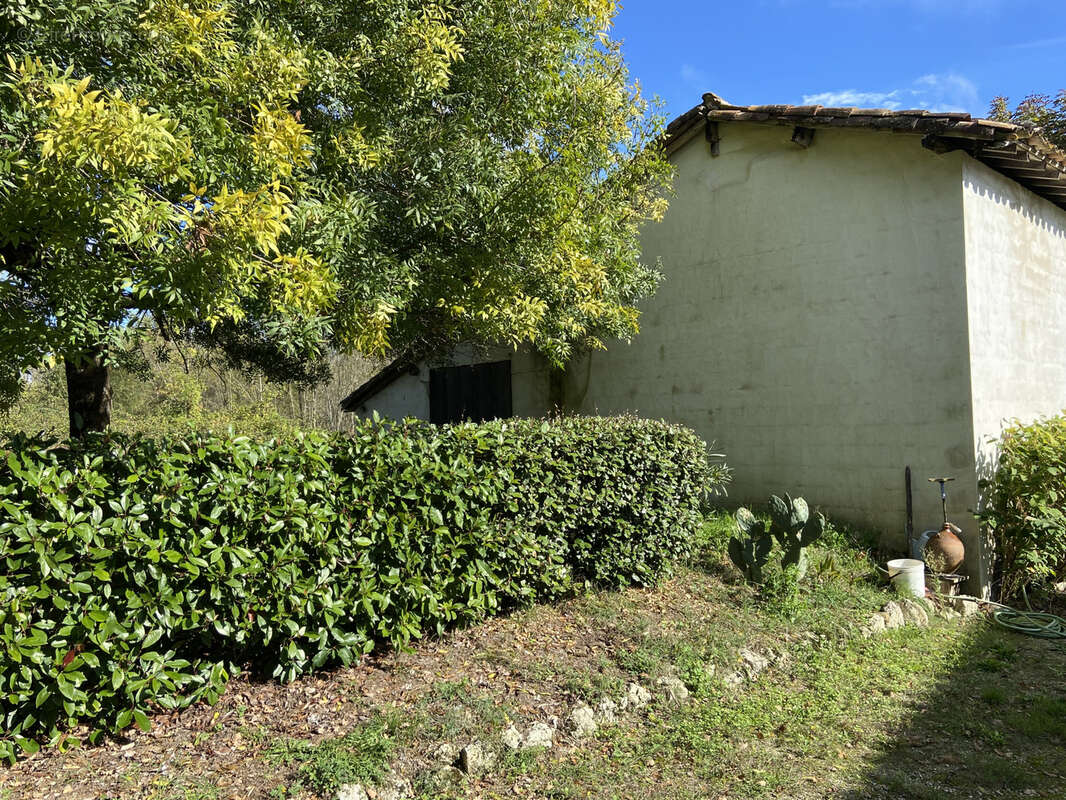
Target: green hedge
[
  {"x": 137, "y": 574},
  {"x": 1025, "y": 506}
]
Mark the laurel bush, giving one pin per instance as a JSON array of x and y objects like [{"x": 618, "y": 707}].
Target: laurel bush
[
  {"x": 1025, "y": 506},
  {"x": 140, "y": 574}
]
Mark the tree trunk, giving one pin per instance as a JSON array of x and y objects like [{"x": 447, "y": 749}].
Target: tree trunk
[{"x": 88, "y": 393}]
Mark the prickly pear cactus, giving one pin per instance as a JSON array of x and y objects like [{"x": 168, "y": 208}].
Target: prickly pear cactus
[
  {"x": 750, "y": 548},
  {"x": 794, "y": 528}
]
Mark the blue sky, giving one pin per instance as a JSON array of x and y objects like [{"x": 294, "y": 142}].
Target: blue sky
[{"x": 945, "y": 55}]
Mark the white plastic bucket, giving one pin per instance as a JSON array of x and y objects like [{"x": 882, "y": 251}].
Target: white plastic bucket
[{"x": 907, "y": 576}]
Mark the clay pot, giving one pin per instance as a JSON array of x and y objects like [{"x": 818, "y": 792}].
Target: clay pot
[{"x": 944, "y": 551}]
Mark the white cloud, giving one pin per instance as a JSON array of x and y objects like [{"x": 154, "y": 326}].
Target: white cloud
[
  {"x": 852, "y": 97},
  {"x": 693, "y": 76},
  {"x": 946, "y": 91}
]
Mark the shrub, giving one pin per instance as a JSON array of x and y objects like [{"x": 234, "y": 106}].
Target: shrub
[
  {"x": 1025, "y": 505},
  {"x": 139, "y": 573}
]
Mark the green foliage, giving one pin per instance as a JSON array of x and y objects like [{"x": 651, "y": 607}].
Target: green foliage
[
  {"x": 141, "y": 573},
  {"x": 780, "y": 591},
  {"x": 791, "y": 525},
  {"x": 169, "y": 396},
  {"x": 794, "y": 529},
  {"x": 279, "y": 177},
  {"x": 694, "y": 669},
  {"x": 1025, "y": 506},
  {"x": 750, "y": 548},
  {"x": 357, "y": 757},
  {"x": 1044, "y": 111}
]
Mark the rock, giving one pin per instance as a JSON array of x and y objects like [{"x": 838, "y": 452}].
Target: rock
[
  {"x": 733, "y": 679},
  {"x": 581, "y": 722},
  {"x": 352, "y": 791},
  {"x": 893, "y": 615},
  {"x": 636, "y": 697},
  {"x": 947, "y": 612},
  {"x": 674, "y": 690},
  {"x": 606, "y": 711},
  {"x": 752, "y": 662},
  {"x": 964, "y": 607},
  {"x": 874, "y": 625},
  {"x": 394, "y": 787},
  {"x": 540, "y": 734},
  {"x": 914, "y": 612},
  {"x": 476, "y": 758},
  {"x": 446, "y": 753},
  {"x": 511, "y": 738},
  {"x": 446, "y": 776}
]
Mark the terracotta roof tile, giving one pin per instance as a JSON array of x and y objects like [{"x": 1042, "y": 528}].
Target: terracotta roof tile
[{"x": 984, "y": 139}]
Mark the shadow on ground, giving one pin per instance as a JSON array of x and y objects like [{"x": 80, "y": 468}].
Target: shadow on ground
[{"x": 993, "y": 726}]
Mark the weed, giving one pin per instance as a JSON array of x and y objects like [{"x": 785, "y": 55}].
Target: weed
[
  {"x": 1045, "y": 716},
  {"x": 781, "y": 593},
  {"x": 451, "y": 690},
  {"x": 693, "y": 670},
  {"x": 258, "y": 734},
  {"x": 993, "y": 695},
  {"x": 357, "y": 757},
  {"x": 641, "y": 660}
]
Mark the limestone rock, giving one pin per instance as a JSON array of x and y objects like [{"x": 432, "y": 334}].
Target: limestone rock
[
  {"x": 636, "y": 697},
  {"x": 914, "y": 612},
  {"x": 582, "y": 722},
  {"x": 607, "y": 711},
  {"x": 733, "y": 679},
  {"x": 446, "y": 776},
  {"x": 511, "y": 738},
  {"x": 394, "y": 787},
  {"x": 893, "y": 615},
  {"x": 476, "y": 758},
  {"x": 673, "y": 689},
  {"x": 352, "y": 791},
  {"x": 540, "y": 734},
  {"x": 752, "y": 662},
  {"x": 966, "y": 608},
  {"x": 874, "y": 625},
  {"x": 446, "y": 753}
]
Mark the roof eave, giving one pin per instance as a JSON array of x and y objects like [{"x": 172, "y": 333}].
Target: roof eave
[{"x": 1018, "y": 152}]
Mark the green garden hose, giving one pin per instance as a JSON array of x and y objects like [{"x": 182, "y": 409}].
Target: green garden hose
[{"x": 1031, "y": 623}]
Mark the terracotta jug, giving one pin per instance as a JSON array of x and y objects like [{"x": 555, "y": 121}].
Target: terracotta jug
[{"x": 945, "y": 551}]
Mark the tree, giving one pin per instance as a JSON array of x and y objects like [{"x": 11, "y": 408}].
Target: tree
[
  {"x": 1044, "y": 111},
  {"x": 285, "y": 180}
]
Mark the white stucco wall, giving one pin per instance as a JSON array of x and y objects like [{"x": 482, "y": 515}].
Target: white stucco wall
[
  {"x": 812, "y": 321},
  {"x": 408, "y": 395},
  {"x": 1016, "y": 296}
]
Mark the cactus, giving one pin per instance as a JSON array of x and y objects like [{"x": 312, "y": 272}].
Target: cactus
[
  {"x": 794, "y": 528},
  {"x": 750, "y": 548}
]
